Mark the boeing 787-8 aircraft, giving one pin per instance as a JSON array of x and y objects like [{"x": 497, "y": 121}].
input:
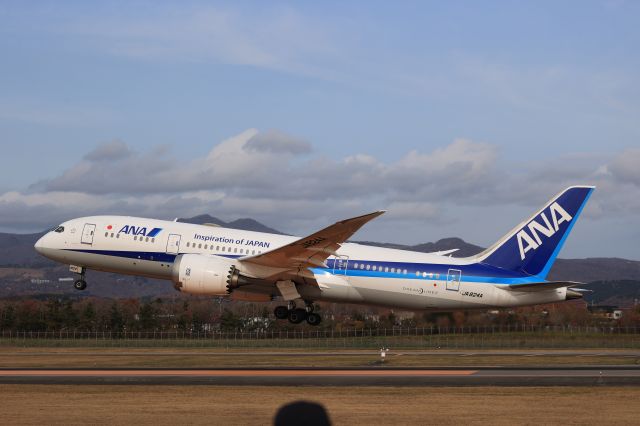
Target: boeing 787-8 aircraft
[{"x": 255, "y": 266}]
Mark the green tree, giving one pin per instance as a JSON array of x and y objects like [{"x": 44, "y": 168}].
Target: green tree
[
  {"x": 229, "y": 321},
  {"x": 147, "y": 317},
  {"x": 116, "y": 322},
  {"x": 8, "y": 319},
  {"x": 88, "y": 318},
  {"x": 54, "y": 314},
  {"x": 69, "y": 317}
]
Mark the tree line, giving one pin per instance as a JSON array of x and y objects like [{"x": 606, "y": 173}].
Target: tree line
[{"x": 212, "y": 314}]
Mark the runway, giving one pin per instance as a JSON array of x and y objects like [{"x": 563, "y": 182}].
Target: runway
[{"x": 373, "y": 376}]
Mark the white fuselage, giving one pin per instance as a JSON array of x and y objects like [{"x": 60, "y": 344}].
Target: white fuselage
[{"x": 359, "y": 274}]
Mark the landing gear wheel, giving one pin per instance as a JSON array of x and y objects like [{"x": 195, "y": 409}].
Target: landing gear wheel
[
  {"x": 281, "y": 312},
  {"x": 80, "y": 284},
  {"x": 296, "y": 316},
  {"x": 314, "y": 319}
]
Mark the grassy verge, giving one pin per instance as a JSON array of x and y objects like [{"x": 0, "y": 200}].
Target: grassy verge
[{"x": 158, "y": 405}]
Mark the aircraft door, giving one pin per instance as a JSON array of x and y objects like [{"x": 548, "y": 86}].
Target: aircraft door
[
  {"x": 87, "y": 233},
  {"x": 453, "y": 279},
  {"x": 173, "y": 244},
  {"x": 340, "y": 265}
]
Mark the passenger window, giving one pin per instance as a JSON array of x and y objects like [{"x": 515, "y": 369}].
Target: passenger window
[
  {"x": 206, "y": 246},
  {"x": 424, "y": 275},
  {"x": 135, "y": 238},
  {"x": 153, "y": 240},
  {"x": 147, "y": 239},
  {"x": 386, "y": 269},
  {"x": 404, "y": 272},
  {"x": 187, "y": 244},
  {"x": 417, "y": 273},
  {"x": 106, "y": 234},
  {"x": 117, "y": 235},
  {"x": 374, "y": 267},
  {"x": 235, "y": 250},
  {"x": 355, "y": 266},
  {"x": 199, "y": 246},
  {"x": 368, "y": 267},
  {"x": 112, "y": 235},
  {"x": 362, "y": 266},
  {"x": 253, "y": 252},
  {"x": 393, "y": 270}
]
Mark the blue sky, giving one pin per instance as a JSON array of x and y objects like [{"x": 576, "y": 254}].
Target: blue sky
[{"x": 462, "y": 109}]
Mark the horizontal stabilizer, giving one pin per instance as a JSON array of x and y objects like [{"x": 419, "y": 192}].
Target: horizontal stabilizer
[
  {"x": 446, "y": 252},
  {"x": 541, "y": 286}
]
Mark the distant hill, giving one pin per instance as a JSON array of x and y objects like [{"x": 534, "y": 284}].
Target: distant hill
[
  {"x": 244, "y": 224},
  {"x": 464, "y": 249},
  {"x": 17, "y": 250},
  {"x": 622, "y": 293},
  {"x": 582, "y": 270},
  {"x": 19, "y": 264}
]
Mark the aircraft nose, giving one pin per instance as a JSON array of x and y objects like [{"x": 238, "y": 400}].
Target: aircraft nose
[{"x": 39, "y": 245}]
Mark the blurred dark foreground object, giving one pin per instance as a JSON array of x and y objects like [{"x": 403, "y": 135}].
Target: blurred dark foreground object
[{"x": 302, "y": 413}]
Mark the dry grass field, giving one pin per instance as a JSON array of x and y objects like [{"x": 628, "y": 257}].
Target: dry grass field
[{"x": 220, "y": 405}]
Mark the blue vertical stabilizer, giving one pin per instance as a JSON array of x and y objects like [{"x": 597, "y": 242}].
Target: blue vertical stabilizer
[{"x": 532, "y": 247}]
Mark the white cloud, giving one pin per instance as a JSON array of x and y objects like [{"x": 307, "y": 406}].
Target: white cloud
[
  {"x": 285, "y": 185},
  {"x": 109, "y": 151},
  {"x": 626, "y": 166},
  {"x": 277, "y": 142}
]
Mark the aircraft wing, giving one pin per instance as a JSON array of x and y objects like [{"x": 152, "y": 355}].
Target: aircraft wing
[
  {"x": 541, "y": 286},
  {"x": 313, "y": 250}
]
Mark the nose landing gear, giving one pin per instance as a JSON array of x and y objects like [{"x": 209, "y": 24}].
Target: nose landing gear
[{"x": 80, "y": 283}]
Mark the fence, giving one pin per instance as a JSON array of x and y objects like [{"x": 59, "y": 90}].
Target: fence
[{"x": 490, "y": 337}]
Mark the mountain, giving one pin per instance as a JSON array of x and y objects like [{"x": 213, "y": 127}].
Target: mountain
[
  {"x": 202, "y": 219},
  {"x": 582, "y": 270},
  {"x": 17, "y": 250},
  {"x": 243, "y": 224},
  {"x": 622, "y": 293},
  {"x": 23, "y": 272},
  {"x": 464, "y": 249}
]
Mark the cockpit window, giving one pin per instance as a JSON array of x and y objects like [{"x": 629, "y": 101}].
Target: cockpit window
[{"x": 59, "y": 229}]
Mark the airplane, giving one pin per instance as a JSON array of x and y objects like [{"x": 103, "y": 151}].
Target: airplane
[{"x": 323, "y": 266}]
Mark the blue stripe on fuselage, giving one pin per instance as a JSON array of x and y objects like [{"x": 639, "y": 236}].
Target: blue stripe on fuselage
[
  {"x": 476, "y": 272},
  {"x": 142, "y": 255}
]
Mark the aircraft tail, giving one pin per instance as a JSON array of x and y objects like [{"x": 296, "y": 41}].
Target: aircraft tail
[{"x": 533, "y": 246}]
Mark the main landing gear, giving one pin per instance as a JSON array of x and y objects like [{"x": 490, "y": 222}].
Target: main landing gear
[
  {"x": 80, "y": 283},
  {"x": 297, "y": 315}
]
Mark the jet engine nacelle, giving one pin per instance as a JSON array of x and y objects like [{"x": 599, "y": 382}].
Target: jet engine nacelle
[{"x": 198, "y": 274}]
